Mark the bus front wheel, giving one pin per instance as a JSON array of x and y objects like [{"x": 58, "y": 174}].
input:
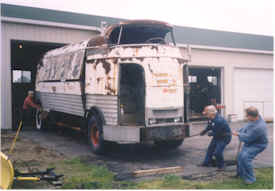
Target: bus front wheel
[{"x": 95, "y": 135}]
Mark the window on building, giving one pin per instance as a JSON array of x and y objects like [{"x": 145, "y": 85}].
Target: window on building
[
  {"x": 20, "y": 76},
  {"x": 212, "y": 79},
  {"x": 192, "y": 79}
]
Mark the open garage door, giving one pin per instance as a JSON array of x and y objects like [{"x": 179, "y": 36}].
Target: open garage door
[
  {"x": 253, "y": 87},
  {"x": 205, "y": 89},
  {"x": 24, "y": 57}
]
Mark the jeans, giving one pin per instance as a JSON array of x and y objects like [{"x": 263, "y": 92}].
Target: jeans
[
  {"x": 216, "y": 148},
  {"x": 244, "y": 163},
  {"x": 29, "y": 116}
]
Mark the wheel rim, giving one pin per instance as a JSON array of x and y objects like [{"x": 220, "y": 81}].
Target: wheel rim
[
  {"x": 94, "y": 136},
  {"x": 38, "y": 120}
]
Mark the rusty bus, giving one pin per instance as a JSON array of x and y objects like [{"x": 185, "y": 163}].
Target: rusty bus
[{"x": 125, "y": 85}]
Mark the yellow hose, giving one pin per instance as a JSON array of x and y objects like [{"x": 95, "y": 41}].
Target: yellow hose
[
  {"x": 14, "y": 140},
  {"x": 28, "y": 178}
]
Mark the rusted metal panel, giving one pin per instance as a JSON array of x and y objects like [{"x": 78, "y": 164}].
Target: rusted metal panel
[
  {"x": 50, "y": 87},
  {"x": 60, "y": 87},
  {"x": 66, "y": 66},
  {"x": 108, "y": 105},
  {"x": 59, "y": 75},
  {"x": 97, "y": 41},
  {"x": 122, "y": 134},
  {"x": 61, "y": 102},
  {"x": 136, "y": 51},
  {"x": 102, "y": 74},
  {"x": 163, "y": 133},
  {"x": 164, "y": 82},
  {"x": 164, "y": 113},
  {"x": 101, "y": 77},
  {"x": 61, "y": 66}
]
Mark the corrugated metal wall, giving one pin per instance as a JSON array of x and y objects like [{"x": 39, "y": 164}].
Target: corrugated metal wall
[
  {"x": 65, "y": 103},
  {"x": 72, "y": 104},
  {"x": 12, "y": 31},
  {"x": 108, "y": 105}
]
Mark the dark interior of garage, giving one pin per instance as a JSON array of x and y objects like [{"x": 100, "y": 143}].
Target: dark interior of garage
[
  {"x": 205, "y": 84},
  {"x": 24, "y": 58}
]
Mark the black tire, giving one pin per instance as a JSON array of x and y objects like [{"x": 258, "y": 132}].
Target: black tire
[
  {"x": 40, "y": 124},
  {"x": 95, "y": 135},
  {"x": 172, "y": 144}
]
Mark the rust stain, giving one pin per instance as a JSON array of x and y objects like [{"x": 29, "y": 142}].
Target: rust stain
[
  {"x": 150, "y": 69},
  {"x": 125, "y": 59},
  {"x": 97, "y": 80},
  {"x": 111, "y": 91},
  {"x": 54, "y": 89},
  {"x": 97, "y": 41},
  {"x": 115, "y": 60},
  {"x": 96, "y": 63},
  {"x": 155, "y": 47},
  {"x": 114, "y": 75},
  {"x": 90, "y": 61},
  {"x": 181, "y": 61},
  {"x": 140, "y": 59},
  {"x": 136, "y": 53},
  {"x": 106, "y": 66}
]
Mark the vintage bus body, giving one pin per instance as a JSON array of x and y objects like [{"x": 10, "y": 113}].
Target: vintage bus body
[{"x": 125, "y": 86}]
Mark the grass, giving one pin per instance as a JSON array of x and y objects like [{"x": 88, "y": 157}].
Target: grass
[
  {"x": 79, "y": 175},
  {"x": 264, "y": 181},
  {"x": 82, "y": 175}
]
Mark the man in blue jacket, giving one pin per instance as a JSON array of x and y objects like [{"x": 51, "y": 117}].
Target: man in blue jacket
[
  {"x": 254, "y": 137},
  {"x": 221, "y": 133}
]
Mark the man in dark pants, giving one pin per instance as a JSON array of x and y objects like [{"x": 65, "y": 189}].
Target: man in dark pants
[
  {"x": 254, "y": 137},
  {"x": 221, "y": 133},
  {"x": 29, "y": 108}
]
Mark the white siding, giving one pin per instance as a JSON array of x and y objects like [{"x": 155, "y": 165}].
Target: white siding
[
  {"x": 253, "y": 87},
  {"x": 12, "y": 31}
]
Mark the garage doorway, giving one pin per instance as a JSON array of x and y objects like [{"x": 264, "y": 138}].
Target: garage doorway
[
  {"x": 24, "y": 58},
  {"x": 205, "y": 89}
]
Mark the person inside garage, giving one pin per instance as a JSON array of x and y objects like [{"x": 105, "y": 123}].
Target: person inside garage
[
  {"x": 203, "y": 93},
  {"x": 212, "y": 94},
  {"x": 219, "y": 129},
  {"x": 29, "y": 108},
  {"x": 254, "y": 137}
]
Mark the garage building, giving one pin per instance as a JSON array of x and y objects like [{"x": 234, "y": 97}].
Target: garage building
[{"x": 238, "y": 66}]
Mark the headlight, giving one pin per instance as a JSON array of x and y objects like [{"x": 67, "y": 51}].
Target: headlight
[
  {"x": 177, "y": 119},
  {"x": 152, "y": 121}
]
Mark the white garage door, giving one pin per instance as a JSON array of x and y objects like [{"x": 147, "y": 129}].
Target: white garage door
[{"x": 253, "y": 87}]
